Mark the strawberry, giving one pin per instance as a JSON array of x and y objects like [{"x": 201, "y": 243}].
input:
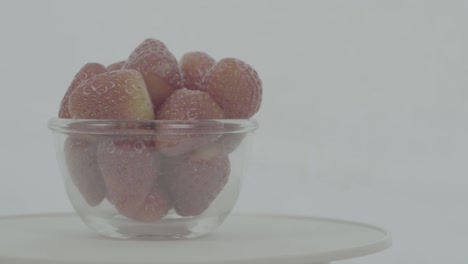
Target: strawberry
[
  {"x": 193, "y": 67},
  {"x": 80, "y": 158},
  {"x": 116, "y": 66},
  {"x": 159, "y": 69},
  {"x": 196, "y": 180},
  {"x": 118, "y": 94},
  {"x": 185, "y": 104},
  {"x": 155, "y": 206},
  {"x": 130, "y": 168},
  {"x": 87, "y": 71},
  {"x": 235, "y": 86}
]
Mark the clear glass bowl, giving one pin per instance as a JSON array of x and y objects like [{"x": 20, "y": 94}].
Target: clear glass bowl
[{"x": 152, "y": 179}]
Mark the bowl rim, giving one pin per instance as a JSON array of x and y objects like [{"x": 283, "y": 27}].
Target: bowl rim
[{"x": 151, "y": 127}]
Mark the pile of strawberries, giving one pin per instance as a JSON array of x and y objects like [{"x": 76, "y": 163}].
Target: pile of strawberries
[{"x": 147, "y": 175}]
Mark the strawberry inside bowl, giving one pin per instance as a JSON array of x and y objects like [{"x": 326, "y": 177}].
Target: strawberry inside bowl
[
  {"x": 123, "y": 186},
  {"x": 153, "y": 146}
]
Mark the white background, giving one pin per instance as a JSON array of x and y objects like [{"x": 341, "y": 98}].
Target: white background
[{"x": 365, "y": 111}]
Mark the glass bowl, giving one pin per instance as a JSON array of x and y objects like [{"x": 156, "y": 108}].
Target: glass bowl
[{"x": 152, "y": 179}]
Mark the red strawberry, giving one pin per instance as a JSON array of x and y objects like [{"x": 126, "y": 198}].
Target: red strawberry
[
  {"x": 87, "y": 71},
  {"x": 80, "y": 158},
  {"x": 118, "y": 94},
  {"x": 235, "y": 86},
  {"x": 167, "y": 163},
  {"x": 195, "y": 181},
  {"x": 159, "y": 69},
  {"x": 155, "y": 206},
  {"x": 116, "y": 66},
  {"x": 130, "y": 168},
  {"x": 185, "y": 104},
  {"x": 194, "y": 66}
]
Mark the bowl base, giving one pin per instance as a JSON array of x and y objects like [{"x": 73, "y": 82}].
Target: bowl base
[{"x": 118, "y": 227}]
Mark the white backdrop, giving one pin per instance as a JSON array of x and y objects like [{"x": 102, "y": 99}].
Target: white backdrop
[{"x": 364, "y": 116}]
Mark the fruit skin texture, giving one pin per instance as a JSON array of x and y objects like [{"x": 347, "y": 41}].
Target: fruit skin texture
[
  {"x": 80, "y": 158},
  {"x": 195, "y": 181},
  {"x": 235, "y": 86},
  {"x": 118, "y": 94},
  {"x": 130, "y": 167},
  {"x": 116, "y": 66},
  {"x": 194, "y": 65},
  {"x": 155, "y": 206},
  {"x": 86, "y": 72},
  {"x": 159, "y": 68},
  {"x": 185, "y": 104}
]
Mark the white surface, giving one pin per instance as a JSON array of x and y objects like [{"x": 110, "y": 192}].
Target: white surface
[
  {"x": 364, "y": 115},
  {"x": 242, "y": 239}
]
